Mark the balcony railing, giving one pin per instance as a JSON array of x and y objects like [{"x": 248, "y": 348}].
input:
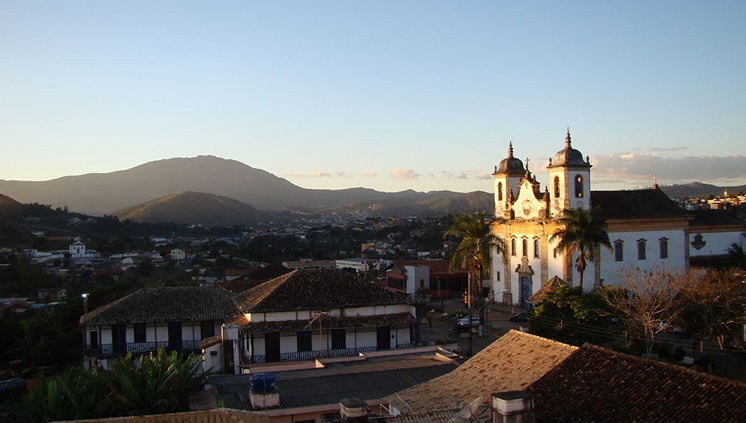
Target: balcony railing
[
  {"x": 139, "y": 347},
  {"x": 308, "y": 355}
]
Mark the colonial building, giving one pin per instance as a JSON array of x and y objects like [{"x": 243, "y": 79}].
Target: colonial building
[
  {"x": 299, "y": 316},
  {"x": 645, "y": 227}
]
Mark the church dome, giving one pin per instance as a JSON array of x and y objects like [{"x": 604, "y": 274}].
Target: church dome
[
  {"x": 568, "y": 156},
  {"x": 511, "y": 165}
]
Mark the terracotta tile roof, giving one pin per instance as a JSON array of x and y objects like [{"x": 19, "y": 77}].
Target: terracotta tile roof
[
  {"x": 220, "y": 415},
  {"x": 547, "y": 286},
  {"x": 511, "y": 363},
  {"x": 254, "y": 278},
  {"x": 166, "y": 304},
  {"x": 600, "y": 385},
  {"x": 329, "y": 322},
  {"x": 642, "y": 203},
  {"x": 315, "y": 289}
]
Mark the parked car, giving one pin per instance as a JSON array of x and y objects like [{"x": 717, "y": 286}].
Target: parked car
[
  {"x": 519, "y": 318},
  {"x": 464, "y": 321}
]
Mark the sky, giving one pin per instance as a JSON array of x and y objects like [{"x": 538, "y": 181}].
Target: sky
[{"x": 389, "y": 95}]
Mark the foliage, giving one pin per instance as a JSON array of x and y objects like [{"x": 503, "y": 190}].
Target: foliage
[
  {"x": 76, "y": 395},
  {"x": 644, "y": 301},
  {"x": 713, "y": 307},
  {"x": 569, "y": 315},
  {"x": 582, "y": 231},
  {"x": 157, "y": 383},
  {"x": 153, "y": 384},
  {"x": 474, "y": 251},
  {"x": 737, "y": 255}
]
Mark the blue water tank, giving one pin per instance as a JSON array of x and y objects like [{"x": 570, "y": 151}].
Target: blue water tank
[{"x": 263, "y": 382}]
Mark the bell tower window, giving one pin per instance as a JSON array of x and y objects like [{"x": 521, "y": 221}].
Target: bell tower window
[
  {"x": 556, "y": 187},
  {"x": 500, "y": 191},
  {"x": 578, "y": 186}
]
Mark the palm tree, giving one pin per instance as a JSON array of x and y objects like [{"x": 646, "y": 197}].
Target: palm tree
[
  {"x": 582, "y": 231},
  {"x": 474, "y": 251},
  {"x": 737, "y": 255}
]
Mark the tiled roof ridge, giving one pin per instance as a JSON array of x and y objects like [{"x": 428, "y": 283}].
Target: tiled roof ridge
[
  {"x": 307, "y": 289},
  {"x": 662, "y": 364},
  {"x": 542, "y": 339},
  {"x": 93, "y": 313},
  {"x": 214, "y": 296}
]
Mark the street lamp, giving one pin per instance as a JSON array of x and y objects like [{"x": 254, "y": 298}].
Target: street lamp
[{"x": 84, "y": 296}]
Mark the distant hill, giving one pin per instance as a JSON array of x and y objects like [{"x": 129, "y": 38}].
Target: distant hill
[
  {"x": 9, "y": 208},
  {"x": 193, "y": 208},
  {"x": 106, "y": 193},
  {"x": 430, "y": 204},
  {"x": 698, "y": 189}
]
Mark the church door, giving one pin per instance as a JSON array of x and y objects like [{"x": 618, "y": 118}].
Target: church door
[{"x": 525, "y": 290}]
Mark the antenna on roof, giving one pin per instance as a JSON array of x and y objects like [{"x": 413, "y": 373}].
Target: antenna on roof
[{"x": 469, "y": 411}]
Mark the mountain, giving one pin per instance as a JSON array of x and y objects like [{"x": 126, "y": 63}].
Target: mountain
[
  {"x": 430, "y": 204},
  {"x": 193, "y": 207},
  {"x": 698, "y": 189},
  {"x": 105, "y": 193},
  {"x": 9, "y": 207}
]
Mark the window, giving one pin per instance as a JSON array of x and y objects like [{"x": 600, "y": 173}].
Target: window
[
  {"x": 578, "y": 186},
  {"x": 512, "y": 247},
  {"x": 140, "y": 335},
  {"x": 619, "y": 250},
  {"x": 641, "y": 249},
  {"x": 554, "y": 253},
  {"x": 207, "y": 329},
  {"x": 304, "y": 340},
  {"x": 556, "y": 187},
  {"x": 93, "y": 339},
  {"x": 663, "y": 243},
  {"x": 498, "y": 275},
  {"x": 339, "y": 341},
  {"x": 536, "y": 248},
  {"x": 525, "y": 247},
  {"x": 500, "y": 191}
]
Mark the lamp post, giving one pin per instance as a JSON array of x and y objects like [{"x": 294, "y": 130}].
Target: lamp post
[{"x": 84, "y": 296}]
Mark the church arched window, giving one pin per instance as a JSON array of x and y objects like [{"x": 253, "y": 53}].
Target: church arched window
[
  {"x": 663, "y": 247},
  {"x": 512, "y": 247},
  {"x": 536, "y": 248},
  {"x": 578, "y": 186},
  {"x": 619, "y": 250},
  {"x": 556, "y": 187},
  {"x": 525, "y": 247},
  {"x": 641, "y": 247},
  {"x": 500, "y": 191}
]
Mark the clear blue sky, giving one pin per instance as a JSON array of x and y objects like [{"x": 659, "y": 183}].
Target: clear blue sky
[{"x": 390, "y": 95}]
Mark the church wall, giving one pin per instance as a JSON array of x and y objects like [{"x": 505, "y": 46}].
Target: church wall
[
  {"x": 713, "y": 241},
  {"x": 611, "y": 269}
]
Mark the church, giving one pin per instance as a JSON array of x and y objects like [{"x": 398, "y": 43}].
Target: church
[{"x": 646, "y": 228}]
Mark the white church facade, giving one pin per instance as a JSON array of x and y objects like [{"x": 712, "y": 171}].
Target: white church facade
[{"x": 646, "y": 228}]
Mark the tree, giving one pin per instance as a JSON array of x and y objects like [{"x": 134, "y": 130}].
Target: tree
[
  {"x": 157, "y": 383},
  {"x": 582, "y": 231},
  {"x": 644, "y": 301},
  {"x": 474, "y": 251},
  {"x": 713, "y": 307},
  {"x": 736, "y": 255},
  {"x": 571, "y": 316}
]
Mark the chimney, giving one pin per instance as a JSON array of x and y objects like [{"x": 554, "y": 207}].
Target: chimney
[
  {"x": 353, "y": 410},
  {"x": 513, "y": 407}
]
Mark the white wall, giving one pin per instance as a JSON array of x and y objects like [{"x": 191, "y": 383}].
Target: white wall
[{"x": 716, "y": 243}]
